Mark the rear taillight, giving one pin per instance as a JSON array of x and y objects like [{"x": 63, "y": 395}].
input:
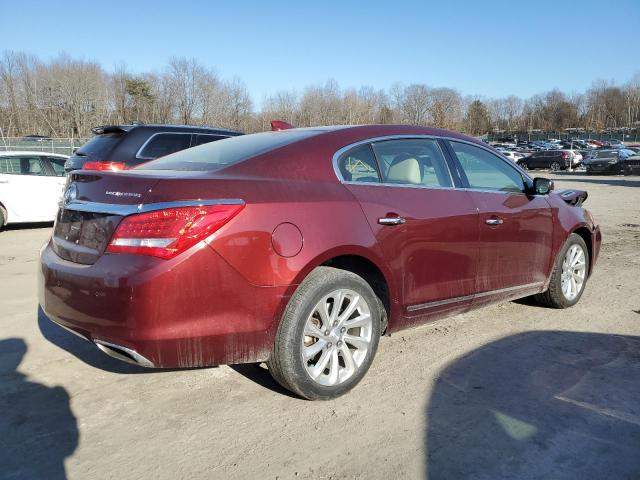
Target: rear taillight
[
  {"x": 109, "y": 166},
  {"x": 166, "y": 233},
  {"x": 565, "y": 155}
]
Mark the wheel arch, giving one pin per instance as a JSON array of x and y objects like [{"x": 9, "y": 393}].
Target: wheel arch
[
  {"x": 586, "y": 234},
  {"x": 363, "y": 263}
]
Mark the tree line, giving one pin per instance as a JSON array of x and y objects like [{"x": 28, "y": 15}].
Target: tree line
[{"x": 66, "y": 97}]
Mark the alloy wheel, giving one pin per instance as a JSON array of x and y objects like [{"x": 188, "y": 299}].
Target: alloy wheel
[
  {"x": 573, "y": 272},
  {"x": 337, "y": 337}
]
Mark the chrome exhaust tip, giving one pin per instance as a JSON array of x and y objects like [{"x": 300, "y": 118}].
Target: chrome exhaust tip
[{"x": 123, "y": 353}]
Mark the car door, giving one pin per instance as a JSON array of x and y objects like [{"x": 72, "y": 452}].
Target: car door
[
  {"x": 27, "y": 191},
  {"x": 515, "y": 227},
  {"x": 427, "y": 230}
]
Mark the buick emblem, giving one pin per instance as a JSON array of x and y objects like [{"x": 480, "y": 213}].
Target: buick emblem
[{"x": 71, "y": 194}]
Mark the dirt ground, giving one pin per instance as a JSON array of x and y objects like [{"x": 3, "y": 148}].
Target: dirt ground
[{"x": 510, "y": 391}]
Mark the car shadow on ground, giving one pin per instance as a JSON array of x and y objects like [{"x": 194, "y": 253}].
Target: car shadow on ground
[
  {"x": 88, "y": 352},
  {"x": 547, "y": 404},
  {"x": 33, "y": 418},
  {"x": 259, "y": 373}
]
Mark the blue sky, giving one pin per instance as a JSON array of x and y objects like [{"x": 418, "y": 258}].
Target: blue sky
[{"x": 489, "y": 48}]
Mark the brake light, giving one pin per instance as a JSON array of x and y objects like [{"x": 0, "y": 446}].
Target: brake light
[
  {"x": 109, "y": 166},
  {"x": 565, "y": 155},
  {"x": 277, "y": 125},
  {"x": 166, "y": 233}
]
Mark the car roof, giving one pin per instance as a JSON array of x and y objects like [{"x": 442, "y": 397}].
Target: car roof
[{"x": 25, "y": 152}]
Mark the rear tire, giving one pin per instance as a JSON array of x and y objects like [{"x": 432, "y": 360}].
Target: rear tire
[
  {"x": 569, "y": 276},
  {"x": 320, "y": 353},
  {"x": 523, "y": 165},
  {"x": 555, "y": 167},
  {"x": 2, "y": 218}
]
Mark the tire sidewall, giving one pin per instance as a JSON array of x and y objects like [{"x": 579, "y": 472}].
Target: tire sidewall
[{"x": 291, "y": 332}]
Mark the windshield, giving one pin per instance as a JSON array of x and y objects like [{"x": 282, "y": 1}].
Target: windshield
[
  {"x": 99, "y": 146},
  {"x": 220, "y": 154}
]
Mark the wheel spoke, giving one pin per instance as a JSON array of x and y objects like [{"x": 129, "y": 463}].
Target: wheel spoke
[
  {"x": 349, "y": 363},
  {"x": 312, "y": 350},
  {"x": 350, "y": 309},
  {"x": 322, "y": 309},
  {"x": 357, "y": 342},
  {"x": 337, "y": 305},
  {"x": 311, "y": 330},
  {"x": 319, "y": 367},
  {"x": 361, "y": 321},
  {"x": 334, "y": 367}
]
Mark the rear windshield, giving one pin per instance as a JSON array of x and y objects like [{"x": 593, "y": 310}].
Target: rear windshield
[
  {"x": 99, "y": 146},
  {"x": 217, "y": 155}
]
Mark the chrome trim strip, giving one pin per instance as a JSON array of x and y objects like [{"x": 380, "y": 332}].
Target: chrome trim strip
[
  {"x": 437, "y": 303},
  {"x": 108, "y": 348},
  {"x": 124, "y": 210}
]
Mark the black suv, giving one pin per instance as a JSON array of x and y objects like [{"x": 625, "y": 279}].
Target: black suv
[
  {"x": 622, "y": 161},
  {"x": 552, "y": 159},
  {"x": 117, "y": 147}
]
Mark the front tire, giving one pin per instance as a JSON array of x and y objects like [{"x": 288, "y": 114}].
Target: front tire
[
  {"x": 328, "y": 335},
  {"x": 569, "y": 275},
  {"x": 523, "y": 165}
]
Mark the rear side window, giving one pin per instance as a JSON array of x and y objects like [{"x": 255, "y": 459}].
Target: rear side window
[
  {"x": 22, "y": 166},
  {"x": 10, "y": 165},
  {"x": 217, "y": 155},
  {"x": 359, "y": 165},
  {"x": 162, "y": 144},
  {"x": 99, "y": 146},
  {"x": 58, "y": 165},
  {"x": 486, "y": 171},
  {"x": 201, "y": 139},
  {"x": 413, "y": 162}
]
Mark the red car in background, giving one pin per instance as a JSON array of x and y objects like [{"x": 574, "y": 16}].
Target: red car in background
[{"x": 302, "y": 247}]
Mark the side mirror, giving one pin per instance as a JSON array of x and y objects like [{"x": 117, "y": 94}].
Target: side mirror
[{"x": 542, "y": 186}]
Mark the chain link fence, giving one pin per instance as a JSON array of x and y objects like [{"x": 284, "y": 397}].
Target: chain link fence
[
  {"x": 630, "y": 137},
  {"x": 65, "y": 146}
]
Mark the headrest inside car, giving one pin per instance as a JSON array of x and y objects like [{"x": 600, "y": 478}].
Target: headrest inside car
[{"x": 405, "y": 170}]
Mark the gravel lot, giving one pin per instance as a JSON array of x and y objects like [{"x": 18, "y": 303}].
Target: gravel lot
[{"x": 510, "y": 391}]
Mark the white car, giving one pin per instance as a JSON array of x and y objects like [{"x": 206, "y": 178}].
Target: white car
[
  {"x": 31, "y": 185},
  {"x": 513, "y": 156}
]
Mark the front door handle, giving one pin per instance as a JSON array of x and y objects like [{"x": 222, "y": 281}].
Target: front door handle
[
  {"x": 494, "y": 221},
  {"x": 391, "y": 221}
]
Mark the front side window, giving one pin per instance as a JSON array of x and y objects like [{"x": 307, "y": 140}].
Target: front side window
[
  {"x": 413, "y": 161},
  {"x": 163, "y": 144},
  {"x": 486, "y": 171},
  {"x": 359, "y": 165}
]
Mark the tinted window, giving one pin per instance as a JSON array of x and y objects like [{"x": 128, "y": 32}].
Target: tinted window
[
  {"x": 359, "y": 165},
  {"x": 413, "y": 162},
  {"x": 163, "y": 144},
  {"x": 99, "y": 146},
  {"x": 58, "y": 165},
  {"x": 216, "y": 155},
  {"x": 202, "y": 139},
  {"x": 487, "y": 171}
]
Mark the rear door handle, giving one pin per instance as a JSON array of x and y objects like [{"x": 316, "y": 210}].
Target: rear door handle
[
  {"x": 391, "y": 221},
  {"x": 494, "y": 221}
]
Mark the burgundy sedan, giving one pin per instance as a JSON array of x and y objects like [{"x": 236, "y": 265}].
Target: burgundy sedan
[{"x": 300, "y": 248}]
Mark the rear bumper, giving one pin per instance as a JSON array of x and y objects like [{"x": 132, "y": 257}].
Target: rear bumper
[{"x": 193, "y": 310}]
